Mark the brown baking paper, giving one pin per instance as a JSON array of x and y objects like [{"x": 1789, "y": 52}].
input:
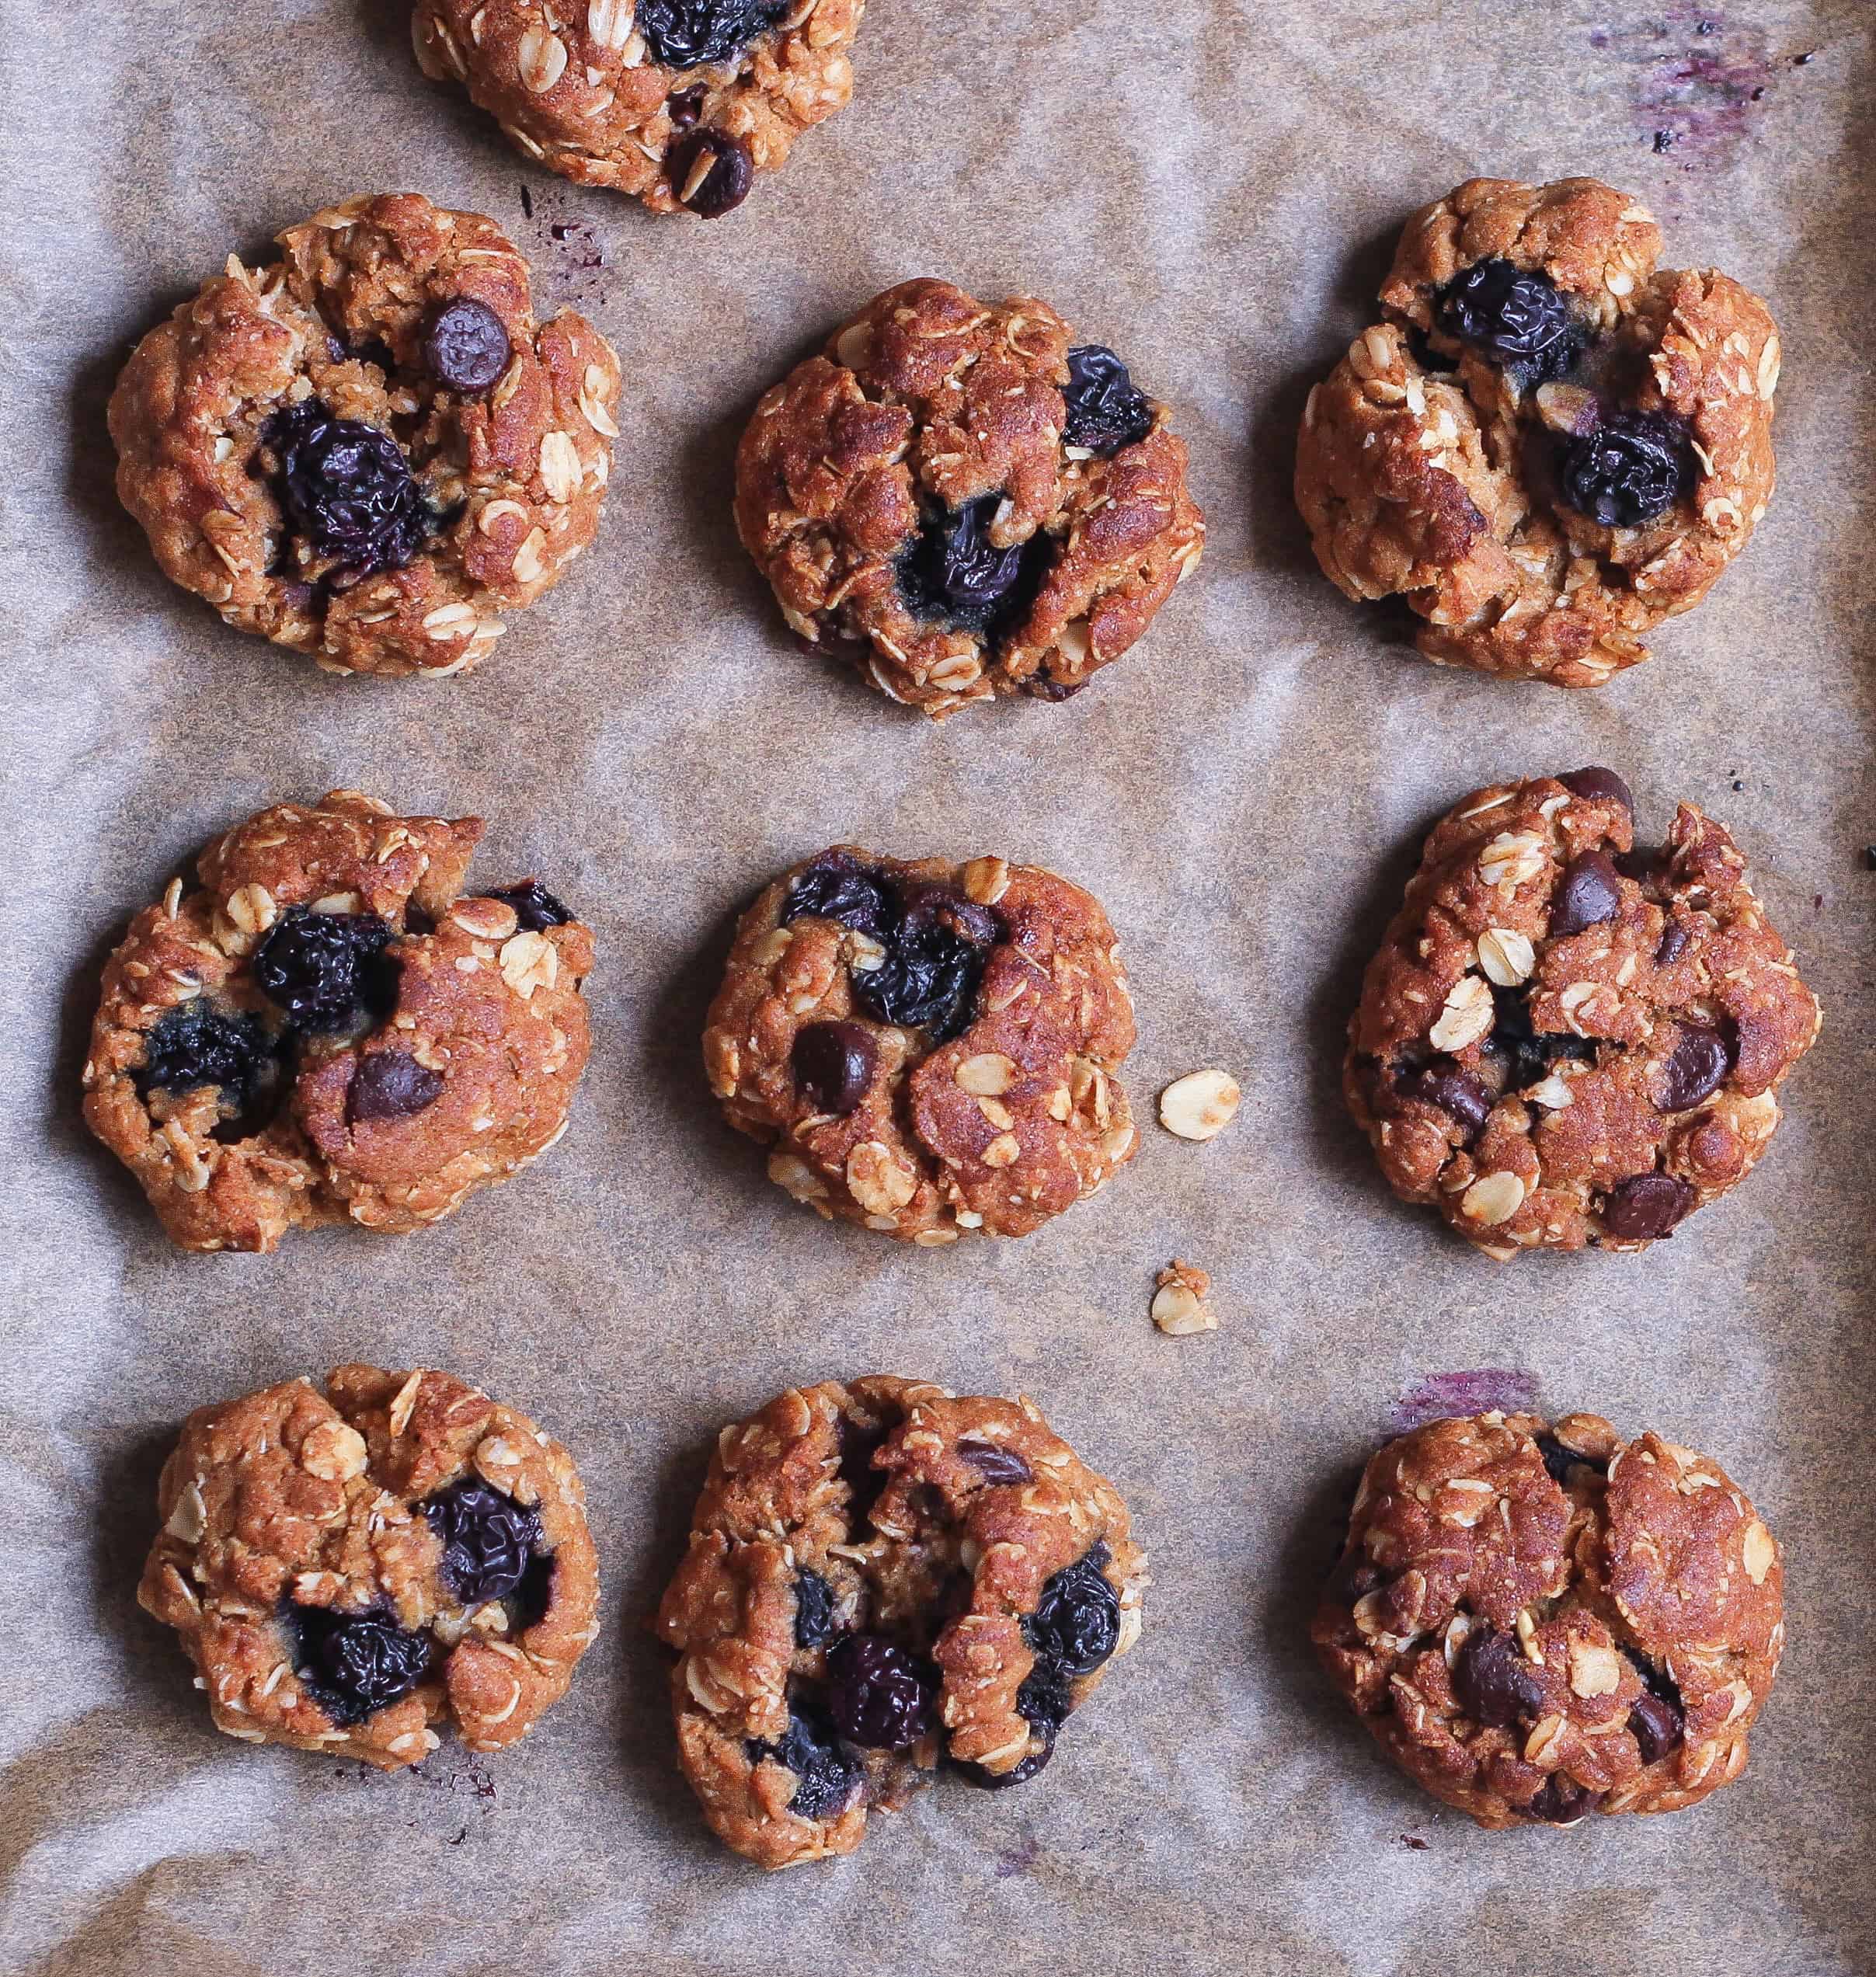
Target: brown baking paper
[{"x": 1213, "y": 190}]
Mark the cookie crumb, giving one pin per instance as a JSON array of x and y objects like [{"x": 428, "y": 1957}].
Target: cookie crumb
[
  {"x": 1199, "y": 1105},
  {"x": 1179, "y": 1308}
]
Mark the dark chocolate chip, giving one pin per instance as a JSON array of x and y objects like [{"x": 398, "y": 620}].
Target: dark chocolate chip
[
  {"x": 466, "y": 346},
  {"x": 684, "y": 108},
  {"x": 1657, "y": 1725},
  {"x": 389, "y": 1085},
  {"x": 1590, "y": 894},
  {"x": 834, "y": 1064},
  {"x": 1675, "y": 940},
  {"x": 1560, "y": 1802},
  {"x": 1452, "y": 1091},
  {"x": 710, "y": 173},
  {"x": 995, "y": 1464},
  {"x": 1644, "y": 1207},
  {"x": 1696, "y": 1068},
  {"x": 1593, "y": 783},
  {"x": 1493, "y": 1681}
]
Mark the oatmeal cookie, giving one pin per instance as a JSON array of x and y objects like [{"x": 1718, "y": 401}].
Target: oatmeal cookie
[
  {"x": 347, "y": 1569},
  {"x": 369, "y": 450},
  {"x": 881, "y": 1575},
  {"x": 1565, "y": 1040},
  {"x": 326, "y": 1029},
  {"x": 681, "y": 102},
  {"x": 1548, "y": 444},
  {"x": 1537, "y": 1621},
  {"x": 963, "y": 501},
  {"x": 930, "y": 1048}
]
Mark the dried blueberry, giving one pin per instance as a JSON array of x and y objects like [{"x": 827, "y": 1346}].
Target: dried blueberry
[
  {"x": 197, "y": 1044},
  {"x": 1514, "y": 317},
  {"x": 1104, "y": 411},
  {"x": 834, "y": 1065},
  {"x": 1493, "y": 1681},
  {"x": 1075, "y": 1625},
  {"x": 1526, "y": 1053},
  {"x": 950, "y": 573},
  {"x": 1644, "y": 1207},
  {"x": 345, "y": 488},
  {"x": 996, "y": 1464},
  {"x": 328, "y": 971},
  {"x": 390, "y": 1084},
  {"x": 1625, "y": 472},
  {"x": 700, "y": 33},
  {"x": 836, "y": 886},
  {"x": 878, "y": 1695},
  {"x": 710, "y": 172},
  {"x": 535, "y": 907},
  {"x": 466, "y": 346},
  {"x": 1559, "y": 1461},
  {"x": 1695, "y": 1069},
  {"x": 1589, "y": 893},
  {"x": 1452, "y": 1091},
  {"x": 353, "y": 1664},
  {"x": 1043, "y": 1701},
  {"x": 826, "y": 1777},
  {"x": 857, "y": 1444},
  {"x": 1560, "y": 1802},
  {"x": 1593, "y": 783},
  {"x": 928, "y": 979},
  {"x": 488, "y": 1540},
  {"x": 814, "y": 1621}
]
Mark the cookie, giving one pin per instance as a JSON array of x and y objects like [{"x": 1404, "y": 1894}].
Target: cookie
[
  {"x": 346, "y": 1570},
  {"x": 1548, "y": 445},
  {"x": 326, "y": 1029},
  {"x": 680, "y": 101},
  {"x": 1566, "y": 1040},
  {"x": 369, "y": 450},
  {"x": 881, "y": 1577},
  {"x": 930, "y": 1048},
  {"x": 1537, "y": 1621},
  {"x": 962, "y": 501}
]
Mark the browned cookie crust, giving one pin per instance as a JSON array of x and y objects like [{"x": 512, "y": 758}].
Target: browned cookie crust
[
  {"x": 1564, "y": 1040},
  {"x": 1544, "y": 471},
  {"x": 930, "y": 1048},
  {"x": 1538, "y": 1621},
  {"x": 880, "y": 1576},
  {"x": 325, "y": 1029},
  {"x": 681, "y": 102},
  {"x": 346, "y": 1570},
  {"x": 963, "y": 505},
  {"x": 394, "y": 550}
]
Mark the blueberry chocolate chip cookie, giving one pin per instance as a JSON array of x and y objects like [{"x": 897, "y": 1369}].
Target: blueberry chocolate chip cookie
[
  {"x": 1565, "y": 1039},
  {"x": 963, "y": 501},
  {"x": 1548, "y": 444},
  {"x": 1538, "y": 1620},
  {"x": 326, "y": 1028},
  {"x": 369, "y": 450},
  {"x": 929, "y": 1048},
  {"x": 882, "y": 1576},
  {"x": 681, "y": 102},
  {"x": 348, "y": 1569}
]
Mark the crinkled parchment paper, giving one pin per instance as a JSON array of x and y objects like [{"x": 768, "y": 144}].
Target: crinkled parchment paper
[{"x": 1213, "y": 189}]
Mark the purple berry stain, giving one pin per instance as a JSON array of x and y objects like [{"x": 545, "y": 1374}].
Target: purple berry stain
[{"x": 1481, "y": 1389}]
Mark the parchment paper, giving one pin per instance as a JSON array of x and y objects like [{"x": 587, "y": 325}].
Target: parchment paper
[{"x": 1213, "y": 189}]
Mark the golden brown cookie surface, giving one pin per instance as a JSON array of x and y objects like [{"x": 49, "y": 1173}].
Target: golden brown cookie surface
[
  {"x": 1536, "y": 1621},
  {"x": 346, "y": 1570},
  {"x": 1564, "y": 1040},
  {"x": 964, "y": 501},
  {"x": 326, "y": 1029},
  {"x": 930, "y": 1048},
  {"x": 881, "y": 1575},
  {"x": 1548, "y": 445},
  {"x": 369, "y": 450}
]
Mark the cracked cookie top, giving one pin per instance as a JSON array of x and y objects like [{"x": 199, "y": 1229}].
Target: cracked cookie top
[
  {"x": 325, "y": 1029},
  {"x": 369, "y": 450},
  {"x": 681, "y": 102},
  {"x": 882, "y": 1576},
  {"x": 1539, "y": 1620},
  {"x": 1548, "y": 444},
  {"x": 964, "y": 501},
  {"x": 1565, "y": 1040},
  {"x": 347, "y": 1569},
  {"x": 930, "y": 1048}
]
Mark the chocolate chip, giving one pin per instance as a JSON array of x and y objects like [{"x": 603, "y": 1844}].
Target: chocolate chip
[
  {"x": 1492, "y": 1679},
  {"x": 684, "y": 108},
  {"x": 1590, "y": 894},
  {"x": 710, "y": 173},
  {"x": 1560, "y": 1802},
  {"x": 1452, "y": 1091},
  {"x": 389, "y": 1085},
  {"x": 834, "y": 1064},
  {"x": 466, "y": 346},
  {"x": 1675, "y": 939},
  {"x": 1657, "y": 1726},
  {"x": 1695, "y": 1070},
  {"x": 1559, "y": 1461},
  {"x": 1593, "y": 783},
  {"x": 1644, "y": 1207},
  {"x": 995, "y": 1464}
]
